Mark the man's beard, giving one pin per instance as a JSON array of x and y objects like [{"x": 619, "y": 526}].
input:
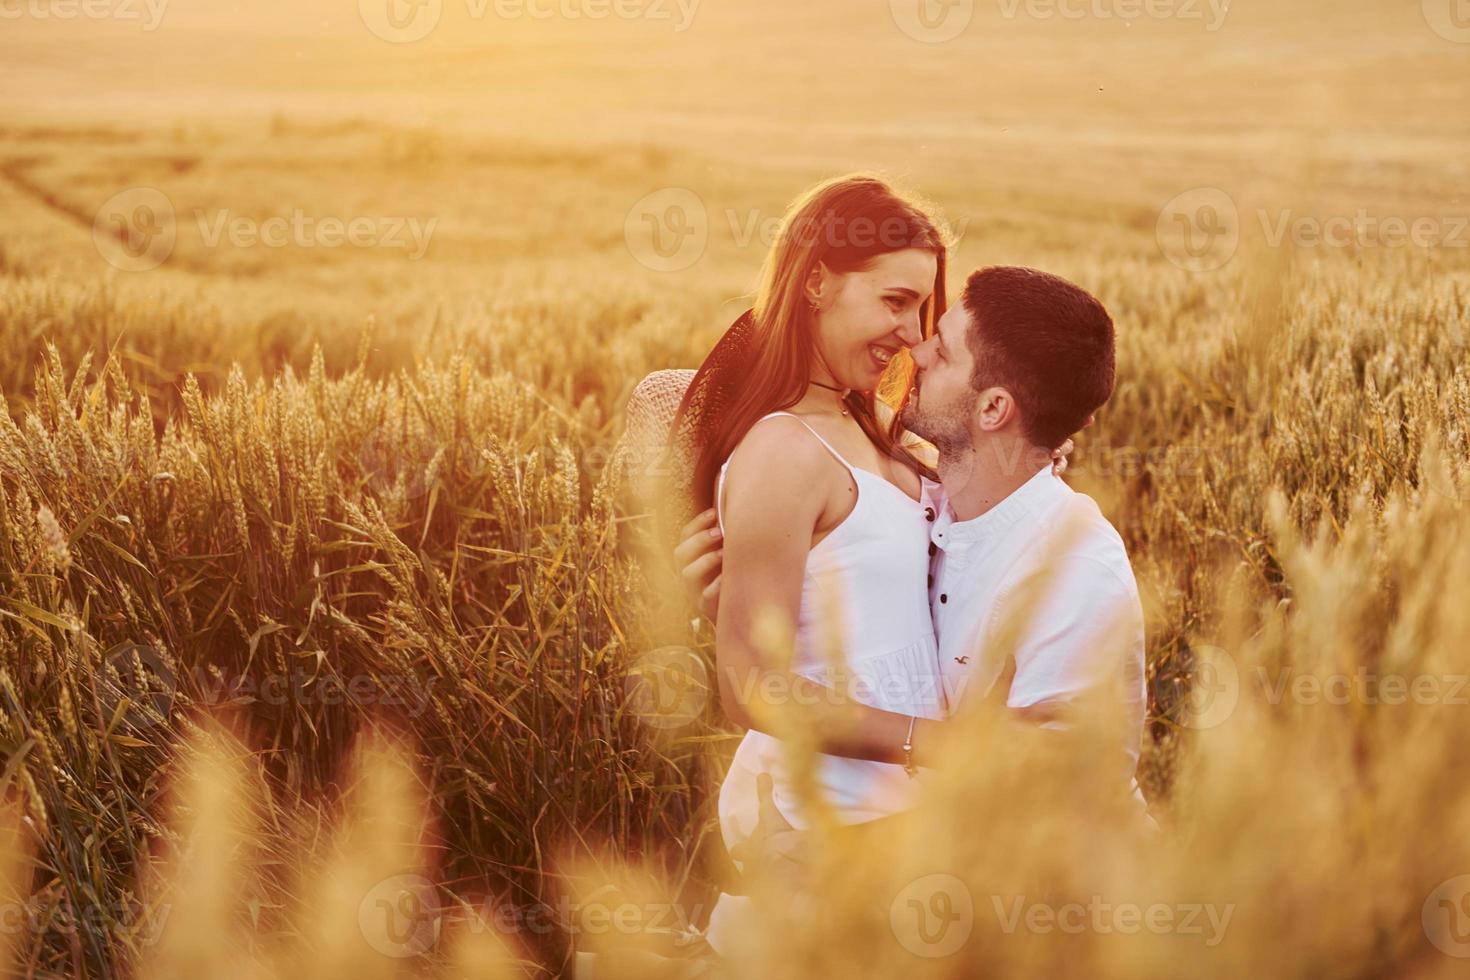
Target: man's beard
[{"x": 946, "y": 428}]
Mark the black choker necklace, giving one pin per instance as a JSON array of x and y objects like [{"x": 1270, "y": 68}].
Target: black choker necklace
[{"x": 841, "y": 391}]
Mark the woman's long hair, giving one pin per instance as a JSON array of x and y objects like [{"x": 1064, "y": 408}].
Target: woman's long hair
[{"x": 764, "y": 361}]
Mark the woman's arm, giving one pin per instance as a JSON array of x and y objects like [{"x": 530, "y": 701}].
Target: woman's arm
[{"x": 776, "y": 491}]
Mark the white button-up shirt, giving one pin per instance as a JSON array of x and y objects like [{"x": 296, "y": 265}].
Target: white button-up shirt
[{"x": 1047, "y": 568}]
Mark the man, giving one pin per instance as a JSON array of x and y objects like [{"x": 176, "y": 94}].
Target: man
[{"x": 1028, "y": 579}]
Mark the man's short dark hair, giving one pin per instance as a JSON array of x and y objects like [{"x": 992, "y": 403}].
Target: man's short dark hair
[{"x": 1046, "y": 341}]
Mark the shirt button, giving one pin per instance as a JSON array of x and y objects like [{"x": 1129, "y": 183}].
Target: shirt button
[
  {"x": 929, "y": 513},
  {"x": 943, "y": 597}
]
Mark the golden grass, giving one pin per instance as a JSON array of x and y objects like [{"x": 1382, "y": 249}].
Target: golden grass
[
  {"x": 443, "y": 549},
  {"x": 326, "y": 623}
]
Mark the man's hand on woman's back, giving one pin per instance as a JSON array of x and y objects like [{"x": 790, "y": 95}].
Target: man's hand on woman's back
[{"x": 699, "y": 557}]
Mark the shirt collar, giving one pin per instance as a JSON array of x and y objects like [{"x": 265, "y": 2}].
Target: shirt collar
[
  {"x": 931, "y": 493},
  {"x": 958, "y": 536}
]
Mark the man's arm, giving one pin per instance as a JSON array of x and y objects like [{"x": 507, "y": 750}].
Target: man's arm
[
  {"x": 878, "y": 735},
  {"x": 1075, "y": 629},
  {"x": 698, "y": 557}
]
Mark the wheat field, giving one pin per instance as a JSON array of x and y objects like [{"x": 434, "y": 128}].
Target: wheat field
[{"x": 327, "y": 618}]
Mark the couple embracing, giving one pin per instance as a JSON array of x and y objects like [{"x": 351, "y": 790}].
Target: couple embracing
[{"x": 878, "y": 477}]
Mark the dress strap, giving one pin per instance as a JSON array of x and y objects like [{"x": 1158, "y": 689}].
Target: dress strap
[
  {"x": 720, "y": 479},
  {"x": 840, "y": 458}
]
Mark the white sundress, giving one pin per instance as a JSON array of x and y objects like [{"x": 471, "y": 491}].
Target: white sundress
[{"x": 867, "y": 579}]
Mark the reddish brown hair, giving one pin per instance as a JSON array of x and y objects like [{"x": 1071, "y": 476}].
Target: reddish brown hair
[{"x": 844, "y": 223}]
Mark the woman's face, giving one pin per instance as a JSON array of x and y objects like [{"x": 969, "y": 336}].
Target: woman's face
[{"x": 867, "y": 316}]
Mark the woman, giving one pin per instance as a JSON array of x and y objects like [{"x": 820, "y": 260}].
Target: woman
[{"x": 824, "y": 514}]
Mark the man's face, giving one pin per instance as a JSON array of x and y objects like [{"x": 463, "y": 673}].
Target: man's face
[{"x": 944, "y": 404}]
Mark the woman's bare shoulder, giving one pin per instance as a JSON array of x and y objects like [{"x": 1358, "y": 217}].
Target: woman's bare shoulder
[{"x": 779, "y": 443}]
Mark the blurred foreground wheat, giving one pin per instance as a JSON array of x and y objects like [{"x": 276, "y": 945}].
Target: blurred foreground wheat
[{"x": 212, "y": 590}]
